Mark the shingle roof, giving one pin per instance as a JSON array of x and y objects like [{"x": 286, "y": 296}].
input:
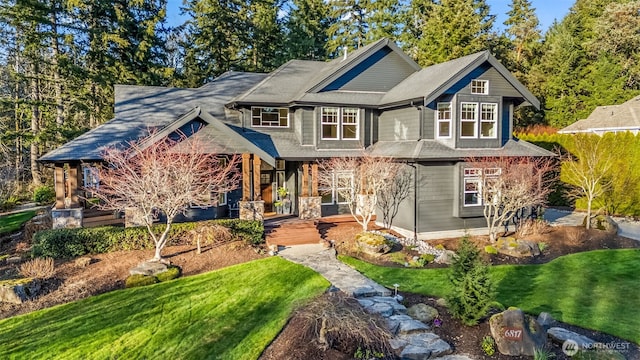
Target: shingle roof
[
  {"x": 434, "y": 150},
  {"x": 141, "y": 108},
  {"x": 621, "y": 117}
]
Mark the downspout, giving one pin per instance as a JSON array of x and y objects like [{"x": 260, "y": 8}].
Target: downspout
[{"x": 415, "y": 200}]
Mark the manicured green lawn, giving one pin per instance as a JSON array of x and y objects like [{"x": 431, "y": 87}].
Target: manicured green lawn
[
  {"x": 11, "y": 223},
  {"x": 597, "y": 290},
  {"x": 232, "y": 313}
]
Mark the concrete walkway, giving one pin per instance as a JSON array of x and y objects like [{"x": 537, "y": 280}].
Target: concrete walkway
[
  {"x": 412, "y": 339},
  {"x": 627, "y": 228}
]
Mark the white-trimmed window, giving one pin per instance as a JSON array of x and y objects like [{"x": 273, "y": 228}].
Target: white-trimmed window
[
  {"x": 341, "y": 181},
  {"x": 269, "y": 117},
  {"x": 90, "y": 178},
  {"x": 468, "y": 120},
  {"x": 488, "y": 120},
  {"x": 480, "y": 87},
  {"x": 443, "y": 120},
  {"x": 340, "y": 123},
  {"x": 478, "y": 180}
]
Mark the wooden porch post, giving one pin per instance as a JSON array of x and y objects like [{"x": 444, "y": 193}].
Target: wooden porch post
[
  {"x": 246, "y": 177},
  {"x": 59, "y": 185},
  {"x": 305, "y": 179},
  {"x": 73, "y": 185},
  {"x": 256, "y": 177},
  {"x": 314, "y": 179}
]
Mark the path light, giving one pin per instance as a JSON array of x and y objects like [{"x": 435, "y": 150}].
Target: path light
[
  {"x": 395, "y": 286},
  {"x": 398, "y": 298}
]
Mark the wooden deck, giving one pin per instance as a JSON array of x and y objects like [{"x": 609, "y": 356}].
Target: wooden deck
[{"x": 289, "y": 230}]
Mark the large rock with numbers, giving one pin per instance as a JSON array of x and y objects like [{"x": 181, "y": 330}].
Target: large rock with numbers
[{"x": 516, "y": 333}]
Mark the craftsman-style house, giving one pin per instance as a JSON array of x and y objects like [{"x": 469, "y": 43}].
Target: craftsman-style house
[{"x": 375, "y": 99}]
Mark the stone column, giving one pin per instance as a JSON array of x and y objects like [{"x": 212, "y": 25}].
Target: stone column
[
  {"x": 251, "y": 210},
  {"x": 67, "y": 218},
  {"x": 309, "y": 207}
]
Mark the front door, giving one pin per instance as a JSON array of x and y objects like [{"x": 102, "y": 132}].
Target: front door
[{"x": 266, "y": 190}]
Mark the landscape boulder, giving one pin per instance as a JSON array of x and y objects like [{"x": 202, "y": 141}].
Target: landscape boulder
[
  {"x": 517, "y": 334},
  {"x": 517, "y": 248},
  {"x": 149, "y": 268},
  {"x": 17, "y": 291},
  {"x": 423, "y": 312}
]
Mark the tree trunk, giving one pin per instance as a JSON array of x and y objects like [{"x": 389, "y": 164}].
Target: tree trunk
[
  {"x": 588, "y": 222},
  {"x": 55, "y": 48},
  {"x": 35, "y": 125}
]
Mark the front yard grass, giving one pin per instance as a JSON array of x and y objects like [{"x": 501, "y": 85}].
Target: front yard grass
[
  {"x": 13, "y": 222},
  {"x": 232, "y": 313},
  {"x": 595, "y": 290}
]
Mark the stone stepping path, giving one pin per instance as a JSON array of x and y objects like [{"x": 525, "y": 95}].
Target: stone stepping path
[{"x": 413, "y": 339}]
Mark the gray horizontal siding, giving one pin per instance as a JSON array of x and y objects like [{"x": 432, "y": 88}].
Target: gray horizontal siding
[
  {"x": 399, "y": 124},
  {"x": 308, "y": 134},
  {"x": 381, "y": 76},
  {"x": 498, "y": 85}
]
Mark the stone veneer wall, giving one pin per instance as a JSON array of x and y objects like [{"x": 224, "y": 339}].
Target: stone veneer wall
[
  {"x": 251, "y": 210},
  {"x": 67, "y": 218},
  {"x": 310, "y": 207}
]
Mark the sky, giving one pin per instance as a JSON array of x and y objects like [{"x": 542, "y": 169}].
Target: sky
[{"x": 547, "y": 11}]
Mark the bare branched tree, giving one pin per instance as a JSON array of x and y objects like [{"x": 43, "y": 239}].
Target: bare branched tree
[
  {"x": 509, "y": 185},
  {"x": 164, "y": 177},
  {"x": 358, "y": 181},
  {"x": 390, "y": 198},
  {"x": 587, "y": 170}
]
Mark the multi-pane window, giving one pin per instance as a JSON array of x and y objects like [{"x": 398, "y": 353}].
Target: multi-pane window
[
  {"x": 271, "y": 117},
  {"x": 339, "y": 123},
  {"x": 478, "y": 118},
  {"x": 480, "y": 87},
  {"x": 488, "y": 120},
  {"x": 443, "y": 115},
  {"x": 478, "y": 180},
  {"x": 342, "y": 183},
  {"x": 468, "y": 120}
]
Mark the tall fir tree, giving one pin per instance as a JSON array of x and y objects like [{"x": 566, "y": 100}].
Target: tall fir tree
[
  {"x": 307, "y": 27},
  {"x": 350, "y": 28},
  {"x": 522, "y": 28},
  {"x": 264, "y": 51},
  {"x": 451, "y": 29}
]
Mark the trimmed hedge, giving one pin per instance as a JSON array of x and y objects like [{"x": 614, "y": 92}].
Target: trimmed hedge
[
  {"x": 67, "y": 243},
  {"x": 623, "y": 198}
]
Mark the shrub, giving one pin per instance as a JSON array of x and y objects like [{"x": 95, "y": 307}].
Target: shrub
[
  {"x": 542, "y": 246},
  {"x": 173, "y": 272},
  {"x": 490, "y": 249},
  {"x": 9, "y": 204},
  {"x": 139, "y": 280},
  {"x": 66, "y": 243},
  {"x": 488, "y": 345},
  {"x": 39, "y": 268},
  {"x": 472, "y": 288},
  {"x": 44, "y": 194}
]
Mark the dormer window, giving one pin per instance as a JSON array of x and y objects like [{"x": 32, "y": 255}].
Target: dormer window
[
  {"x": 269, "y": 117},
  {"x": 340, "y": 123},
  {"x": 480, "y": 87}
]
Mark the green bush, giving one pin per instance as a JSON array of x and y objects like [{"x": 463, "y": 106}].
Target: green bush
[
  {"x": 65, "y": 243},
  {"x": 488, "y": 345},
  {"x": 9, "y": 204},
  {"x": 173, "y": 272},
  {"x": 490, "y": 249},
  {"x": 139, "y": 280},
  {"x": 472, "y": 289},
  {"x": 44, "y": 194}
]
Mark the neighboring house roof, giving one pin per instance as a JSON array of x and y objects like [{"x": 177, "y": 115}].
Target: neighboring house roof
[
  {"x": 140, "y": 109},
  {"x": 424, "y": 150},
  {"x": 623, "y": 117}
]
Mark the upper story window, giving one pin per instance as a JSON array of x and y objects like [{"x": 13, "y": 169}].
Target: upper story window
[
  {"x": 340, "y": 123},
  {"x": 269, "y": 117},
  {"x": 480, "y": 87},
  {"x": 478, "y": 118},
  {"x": 443, "y": 120}
]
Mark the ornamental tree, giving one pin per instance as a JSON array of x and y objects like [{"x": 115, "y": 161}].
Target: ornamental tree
[
  {"x": 163, "y": 177},
  {"x": 510, "y": 185},
  {"x": 357, "y": 182}
]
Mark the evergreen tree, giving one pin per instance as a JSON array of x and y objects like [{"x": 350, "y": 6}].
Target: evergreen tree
[
  {"x": 472, "y": 289},
  {"x": 350, "y": 28},
  {"x": 264, "y": 51},
  {"x": 522, "y": 29},
  {"x": 307, "y": 30},
  {"x": 383, "y": 18},
  {"x": 451, "y": 29}
]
